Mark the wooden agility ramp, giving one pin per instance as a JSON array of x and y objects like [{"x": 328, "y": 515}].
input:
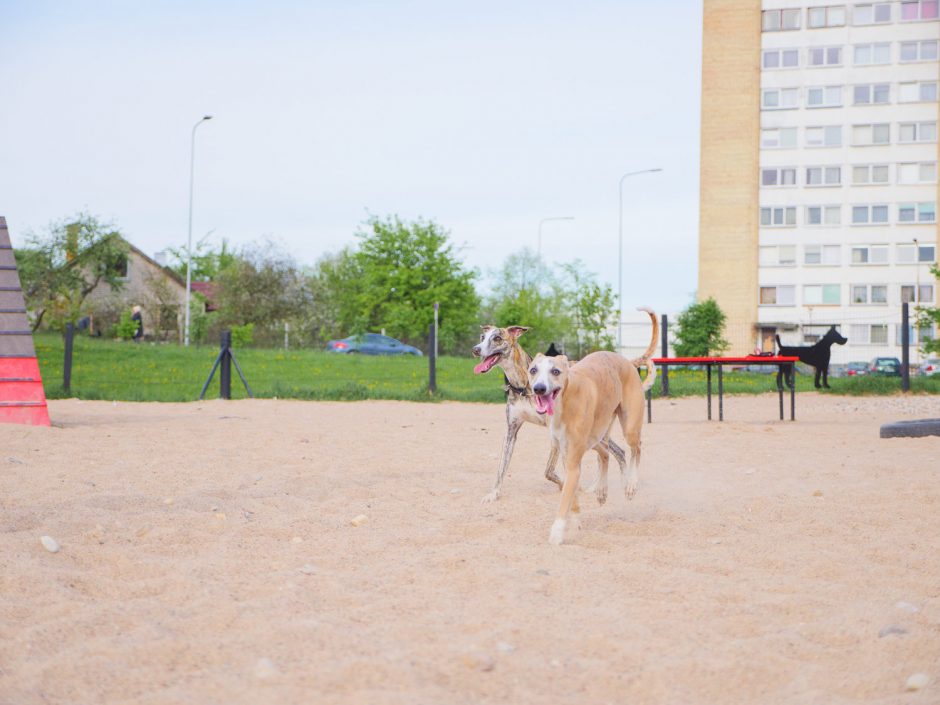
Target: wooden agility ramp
[{"x": 22, "y": 398}]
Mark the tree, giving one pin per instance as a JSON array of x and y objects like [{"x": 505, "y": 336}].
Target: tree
[
  {"x": 60, "y": 268},
  {"x": 401, "y": 269},
  {"x": 699, "y": 330},
  {"x": 593, "y": 309},
  {"x": 929, "y": 316},
  {"x": 208, "y": 262}
]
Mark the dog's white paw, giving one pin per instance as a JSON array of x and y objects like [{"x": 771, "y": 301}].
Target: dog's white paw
[
  {"x": 557, "y": 534},
  {"x": 491, "y": 497},
  {"x": 629, "y": 489}
]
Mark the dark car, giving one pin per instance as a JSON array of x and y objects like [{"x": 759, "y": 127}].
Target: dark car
[
  {"x": 856, "y": 369},
  {"x": 371, "y": 344},
  {"x": 885, "y": 366}
]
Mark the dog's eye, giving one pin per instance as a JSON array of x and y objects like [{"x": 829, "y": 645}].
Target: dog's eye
[
  {"x": 497, "y": 339},
  {"x": 534, "y": 370},
  {"x": 556, "y": 371},
  {"x": 482, "y": 338}
]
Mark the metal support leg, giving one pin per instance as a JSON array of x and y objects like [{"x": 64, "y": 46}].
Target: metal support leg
[
  {"x": 721, "y": 395},
  {"x": 780, "y": 392},
  {"x": 792, "y": 393},
  {"x": 709, "y": 368}
]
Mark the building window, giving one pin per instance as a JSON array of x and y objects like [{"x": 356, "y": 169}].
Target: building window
[
  {"x": 865, "y": 334},
  {"x": 863, "y": 135},
  {"x": 778, "y": 295},
  {"x": 872, "y": 94},
  {"x": 821, "y": 294},
  {"x": 872, "y": 54},
  {"x": 777, "y": 20},
  {"x": 870, "y": 254},
  {"x": 876, "y": 13},
  {"x": 917, "y": 212},
  {"x": 780, "y": 98},
  {"x": 823, "y": 215},
  {"x": 824, "y": 97},
  {"x": 823, "y": 176},
  {"x": 917, "y": 132},
  {"x": 778, "y": 217},
  {"x": 913, "y": 10},
  {"x": 870, "y": 214},
  {"x": 917, "y": 92},
  {"x": 869, "y": 174},
  {"x": 778, "y": 138},
  {"x": 833, "y": 16},
  {"x": 825, "y": 56},
  {"x": 778, "y": 256},
  {"x": 924, "y": 294},
  {"x": 924, "y": 50},
  {"x": 923, "y": 253},
  {"x": 781, "y": 58},
  {"x": 869, "y": 293},
  {"x": 917, "y": 173},
  {"x": 774, "y": 176},
  {"x": 822, "y": 255},
  {"x": 829, "y": 136}
]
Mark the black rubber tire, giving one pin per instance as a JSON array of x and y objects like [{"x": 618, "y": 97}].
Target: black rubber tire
[{"x": 911, "y": 429}]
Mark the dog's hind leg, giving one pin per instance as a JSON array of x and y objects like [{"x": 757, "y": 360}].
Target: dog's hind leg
[
  {"x": 631, "y": 423},
  {"x": 512, "y": 430},
  {"x": 550, "y": 473},
  {"x": 818, "y": 374},
  {"x": 600, "y": 484}
]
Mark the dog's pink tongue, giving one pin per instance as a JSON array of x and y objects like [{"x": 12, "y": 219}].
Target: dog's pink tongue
[
  {"x": 545, "y": 404},
  {"x": 485, "y": 365}
]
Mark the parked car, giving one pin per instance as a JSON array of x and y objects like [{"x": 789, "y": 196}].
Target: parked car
[
  {"x": 371, "y": 344},
  {"x": 930, "y": 366},
  {"x": 856, "y": 369},
  {"x": 885, "y": 366}
]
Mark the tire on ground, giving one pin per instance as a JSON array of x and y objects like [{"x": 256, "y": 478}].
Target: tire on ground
[{"x": 911, "y": 429}]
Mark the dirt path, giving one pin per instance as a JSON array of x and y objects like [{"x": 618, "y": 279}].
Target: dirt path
[{"x": 207, "y": 556}]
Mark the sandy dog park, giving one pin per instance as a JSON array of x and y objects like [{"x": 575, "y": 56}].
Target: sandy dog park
[{"x": 209, "y": 554}]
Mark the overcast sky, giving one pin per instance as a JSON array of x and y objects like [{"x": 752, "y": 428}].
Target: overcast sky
[{"x": 483, "y": 116}]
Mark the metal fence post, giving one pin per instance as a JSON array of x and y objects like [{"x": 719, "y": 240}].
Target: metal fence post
[
  {"x": 905, "y": 348},
  {"x": 432, "y": 360},
  {"x": 225, "y": 371},
  {"x": 67, "y": 362},
  {"x": 665, "y": 335}
]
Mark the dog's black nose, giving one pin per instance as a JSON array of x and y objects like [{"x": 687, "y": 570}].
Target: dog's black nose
[
  {"x": 476, "y": 351},
  {"x": 539, "y": 389}
]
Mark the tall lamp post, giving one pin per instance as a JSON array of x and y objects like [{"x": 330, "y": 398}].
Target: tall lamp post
[
  {"x": 620, "y": 256},
  {"x": 189, "y": 241},
  {"x": 547, "y": 220}
]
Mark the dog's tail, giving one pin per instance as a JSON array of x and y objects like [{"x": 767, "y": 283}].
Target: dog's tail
[
  {"x": 646, "y": 359},
  {"x": 779, "y": 344}
]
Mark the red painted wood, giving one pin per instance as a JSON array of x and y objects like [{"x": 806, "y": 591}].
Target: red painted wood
[
  {"x": 748, "y": 360},
  {"x": 22, "y": 391},
  {"x": 22, "y": 398}
]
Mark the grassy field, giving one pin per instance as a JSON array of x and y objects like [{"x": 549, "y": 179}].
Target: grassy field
[{"x": 124, "y": 371}]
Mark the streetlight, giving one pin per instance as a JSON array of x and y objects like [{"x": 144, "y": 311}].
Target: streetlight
[
  {"x": 546, "y": 220},
  {"x": 620, "y": 256},
  {"x": 189, "y": 241}
]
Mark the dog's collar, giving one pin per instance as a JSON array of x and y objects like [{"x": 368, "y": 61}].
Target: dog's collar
[{"x": 518, "y": 391}]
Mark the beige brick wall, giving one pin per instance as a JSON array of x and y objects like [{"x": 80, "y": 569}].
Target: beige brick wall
[{"x": 730, "y": 150}]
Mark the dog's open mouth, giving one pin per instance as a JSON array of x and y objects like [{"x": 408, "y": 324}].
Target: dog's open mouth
[
  {"x": 487, "y": 364},
  {"x": 545, "y": 403}
]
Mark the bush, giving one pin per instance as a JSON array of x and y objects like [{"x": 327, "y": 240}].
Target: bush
[
  {"x": 243, "y": 336},
  {"x": 699, "y": 330},
  {"x": 126, "y": 328}
]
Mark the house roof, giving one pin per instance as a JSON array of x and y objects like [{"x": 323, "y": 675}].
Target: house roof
[{"x": 150, "y": 260}]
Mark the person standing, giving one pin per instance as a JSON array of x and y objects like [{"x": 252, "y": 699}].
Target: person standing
[{"x": 136, "y": 317}]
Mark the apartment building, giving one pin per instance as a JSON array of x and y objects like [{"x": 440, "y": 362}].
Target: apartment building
[{"x": 819, "y": 184}]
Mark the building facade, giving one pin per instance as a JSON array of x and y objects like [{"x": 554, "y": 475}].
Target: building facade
[{"x": 819, "y": 160}]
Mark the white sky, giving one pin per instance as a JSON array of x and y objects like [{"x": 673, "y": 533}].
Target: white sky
[{"x": 484, "y": 116}]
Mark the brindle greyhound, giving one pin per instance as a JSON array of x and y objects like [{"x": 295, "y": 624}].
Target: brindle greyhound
[{"x": 499, "y": 347}]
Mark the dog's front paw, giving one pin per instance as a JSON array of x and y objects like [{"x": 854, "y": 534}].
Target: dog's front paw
[
  {"x": 629, "y": 489},
  {"x": 557, "y": 534},
  {"x": 491, "y": 497},
  {"x": 601, "y": 493}
]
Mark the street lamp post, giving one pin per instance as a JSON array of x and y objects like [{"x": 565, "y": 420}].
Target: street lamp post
[
  {"x": 546, "y": 220},
  {"x": 189, "y": 241},
  {"x": 620, "y": 256}
]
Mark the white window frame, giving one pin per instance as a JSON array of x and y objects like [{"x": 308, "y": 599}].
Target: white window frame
[
  {"x": 785, "y": 212},
  {"x": 823, "y": 290},
  {"x": 825, "y": 253},
  {"x": 870, "y": 170},
  {"x": 869, "y": 295},
  {"x": 919, "y": 167},
  {"x": 825, "y": 174},
  {"x": 883, "y": 255},
  {"x": 791, "y": 288},
  {"x": 830, "y": 16},
  {"x": 921, "y": 90},
  {"x": 874, "y": 13},
  {"x": 778, "y": 256},
  {"x": 871, "y": 90},
  {"x": 826, "y": 55},
  {"x": 825, "y": 133},
  {"x": 919, "y": 209},
  {"x": 830, "y": 215},
  {"x": 870, "y": 211},
  {"x": 766, "y": 133},
  {"x": 871, "y": 134},
  {"x": 790, "y": 95},
  {"x": 926, "y": 253},
  {"x": 873, "y": 48},
  {"x": 778, "y": 176},
  {"x": 919, "y": 45},
  {"x": 920, "y": 11},
  {"x": 786, "y": 20},
  {"x": 923, "y": 293},
  {"x": 919, "y": 128},
  {"x": 780, "y": 53},
  {"x": 831, "y": 97}
]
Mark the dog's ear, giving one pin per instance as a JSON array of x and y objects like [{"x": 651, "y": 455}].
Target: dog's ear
[
  {"x": 516, "y": 331},
  {"x": 538, "y": 356}
]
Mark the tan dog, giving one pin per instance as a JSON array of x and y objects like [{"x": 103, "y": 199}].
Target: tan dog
[{"x": 581, "y": 402}]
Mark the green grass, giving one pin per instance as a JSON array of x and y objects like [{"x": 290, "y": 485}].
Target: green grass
[{"x": 124, "y": 371}]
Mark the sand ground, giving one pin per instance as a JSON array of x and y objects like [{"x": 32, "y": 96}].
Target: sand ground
[{"x": 207, "y": 556}]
